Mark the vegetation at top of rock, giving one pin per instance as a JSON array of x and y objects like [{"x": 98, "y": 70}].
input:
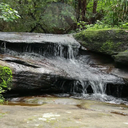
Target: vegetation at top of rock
[
  {"x": 100, "y": 25},
  {"x": 7, "y": 13},
  {"x": 63, "y": 16},
  {"x": 5, "y": 80}
]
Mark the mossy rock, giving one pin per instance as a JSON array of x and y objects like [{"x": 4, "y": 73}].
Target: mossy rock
[
  {"x": 121, "y": 58},
  {"x": 112, "y": 42},
  {"x": 104, "y": 41}
]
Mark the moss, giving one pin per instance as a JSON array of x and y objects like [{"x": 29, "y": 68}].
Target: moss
[
  {"x": 126, "y": 51},
  {"x": 122, "y": 57},
  {"x": 108, "y": 41},
  {"x": 109, "y": 47}
]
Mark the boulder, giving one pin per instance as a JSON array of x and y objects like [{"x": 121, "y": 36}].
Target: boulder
[
  {"x": 111, "y": 42},
  {"x": 121, "y": 58},
  {"x": 27, "y": 77}
]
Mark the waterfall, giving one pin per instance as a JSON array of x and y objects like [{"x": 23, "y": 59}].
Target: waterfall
[
  {"x": 67, "y": 58},
  {"x": 63, "y": 53},
  {"x": 77, "y": 66}
]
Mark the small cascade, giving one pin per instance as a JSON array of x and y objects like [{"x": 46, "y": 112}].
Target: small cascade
[
  {"x": 46, "y": 50},
  {"x": 63, "y": 56}
]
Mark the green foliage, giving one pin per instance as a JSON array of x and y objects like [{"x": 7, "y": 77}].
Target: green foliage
[
  {"x": 109, "y": 13},
  {"x": 124, "y": 25},
  {"x": 57, "y": 17},
  {"x": 81, "y": 25},
  {"x": 7, "y": 13},
  {"x": 116, "y": 12},
  {"x": 46, "y": 16},
  {"x": 5, "y": 80},
  {"x": 98, "y": 25},
  {"x": 54, "y": 16}
]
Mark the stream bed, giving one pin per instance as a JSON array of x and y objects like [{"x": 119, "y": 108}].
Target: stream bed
[{"x": 62, "y": 112}]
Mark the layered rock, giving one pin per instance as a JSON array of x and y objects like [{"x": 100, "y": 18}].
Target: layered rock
[
  {"x": 20, "y": 51},
  {"x": 28, "y": 76}
]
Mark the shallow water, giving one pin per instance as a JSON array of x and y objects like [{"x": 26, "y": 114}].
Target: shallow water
[{"x": 67, "y": 99}]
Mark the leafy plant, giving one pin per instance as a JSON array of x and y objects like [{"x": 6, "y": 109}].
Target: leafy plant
[
  {"x": 44, "y": 16},
  {"x": 81, "y": 25},
  {"x": 98, "y": 25},
  {"x": 124, "y": 25},
  {"x": 7, "y": 13},
  {"x": 5, "y": 80},
  {"x": 116, "y": 12}
]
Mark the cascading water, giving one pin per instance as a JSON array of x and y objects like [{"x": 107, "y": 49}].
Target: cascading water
[{"x": 63, "y": 56}]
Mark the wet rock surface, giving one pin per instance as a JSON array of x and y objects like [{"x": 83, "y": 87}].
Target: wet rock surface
[
  {"x": 33, "y": 76},
  {"x": 122, "y": 58},
  {"x": 63, "y": 113},
  {"x": 22, "y": 37},
  {"x": 30, "y": 73},
  {"x": 48, "y": 76}
]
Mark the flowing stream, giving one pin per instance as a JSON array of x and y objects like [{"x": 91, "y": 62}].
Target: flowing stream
[{"x": 90, "y": 82}]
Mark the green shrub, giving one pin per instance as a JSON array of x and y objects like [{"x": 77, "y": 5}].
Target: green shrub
[
  {"x": 124, "y": 25},
  {"x": 7, "y": 13},
  {"x": 5, "y": 80}
]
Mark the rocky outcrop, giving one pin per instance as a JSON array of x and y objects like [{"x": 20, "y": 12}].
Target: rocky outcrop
[
  {"x": 121, "y": 57},
  {"x": 28, "y": 77},
  {"x": 43, "y": 44},
  {"x": 22, "y": 37},
  {"x": 110, "y": 42},
  {"x": 30, "y": 73},
  {"x": 52, "y": 63}
]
